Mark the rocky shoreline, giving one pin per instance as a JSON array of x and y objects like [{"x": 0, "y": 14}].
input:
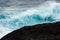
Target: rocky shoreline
[{"x": 46, "y": 31}]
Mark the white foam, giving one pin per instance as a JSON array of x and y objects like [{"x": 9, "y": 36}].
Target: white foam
[{"x": 14, "y": 13}]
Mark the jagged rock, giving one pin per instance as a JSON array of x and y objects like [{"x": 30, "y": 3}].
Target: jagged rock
[{"x": 47, "y": 31}]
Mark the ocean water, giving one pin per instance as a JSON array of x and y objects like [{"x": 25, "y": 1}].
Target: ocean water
[{"x": 15, "y": 17}]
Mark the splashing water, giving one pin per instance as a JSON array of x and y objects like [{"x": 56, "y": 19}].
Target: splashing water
[{"x": 12, "y": 19}]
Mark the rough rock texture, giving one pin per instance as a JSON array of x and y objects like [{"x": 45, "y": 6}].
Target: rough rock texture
[{"x": 47, "y": 31}]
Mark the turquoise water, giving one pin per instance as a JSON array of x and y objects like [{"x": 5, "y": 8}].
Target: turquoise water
[{"x": 14, "y": 19}]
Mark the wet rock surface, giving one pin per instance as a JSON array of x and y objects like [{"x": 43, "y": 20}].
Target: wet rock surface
[{"x": 47, "y": 31}]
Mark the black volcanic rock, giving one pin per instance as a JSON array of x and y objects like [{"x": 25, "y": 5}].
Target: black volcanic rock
[{"x": 48, "y": 31}]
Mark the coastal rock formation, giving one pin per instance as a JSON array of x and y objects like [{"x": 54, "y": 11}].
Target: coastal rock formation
[{"x": 47, "y": 31}]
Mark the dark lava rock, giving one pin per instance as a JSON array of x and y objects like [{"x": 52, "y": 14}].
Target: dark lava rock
[{"x": 48, "y": 31}]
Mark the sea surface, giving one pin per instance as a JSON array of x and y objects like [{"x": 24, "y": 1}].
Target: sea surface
[{"x": 19, "y": 13}]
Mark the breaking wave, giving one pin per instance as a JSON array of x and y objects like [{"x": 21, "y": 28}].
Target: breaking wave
[{"x": 12, "y": 19}]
